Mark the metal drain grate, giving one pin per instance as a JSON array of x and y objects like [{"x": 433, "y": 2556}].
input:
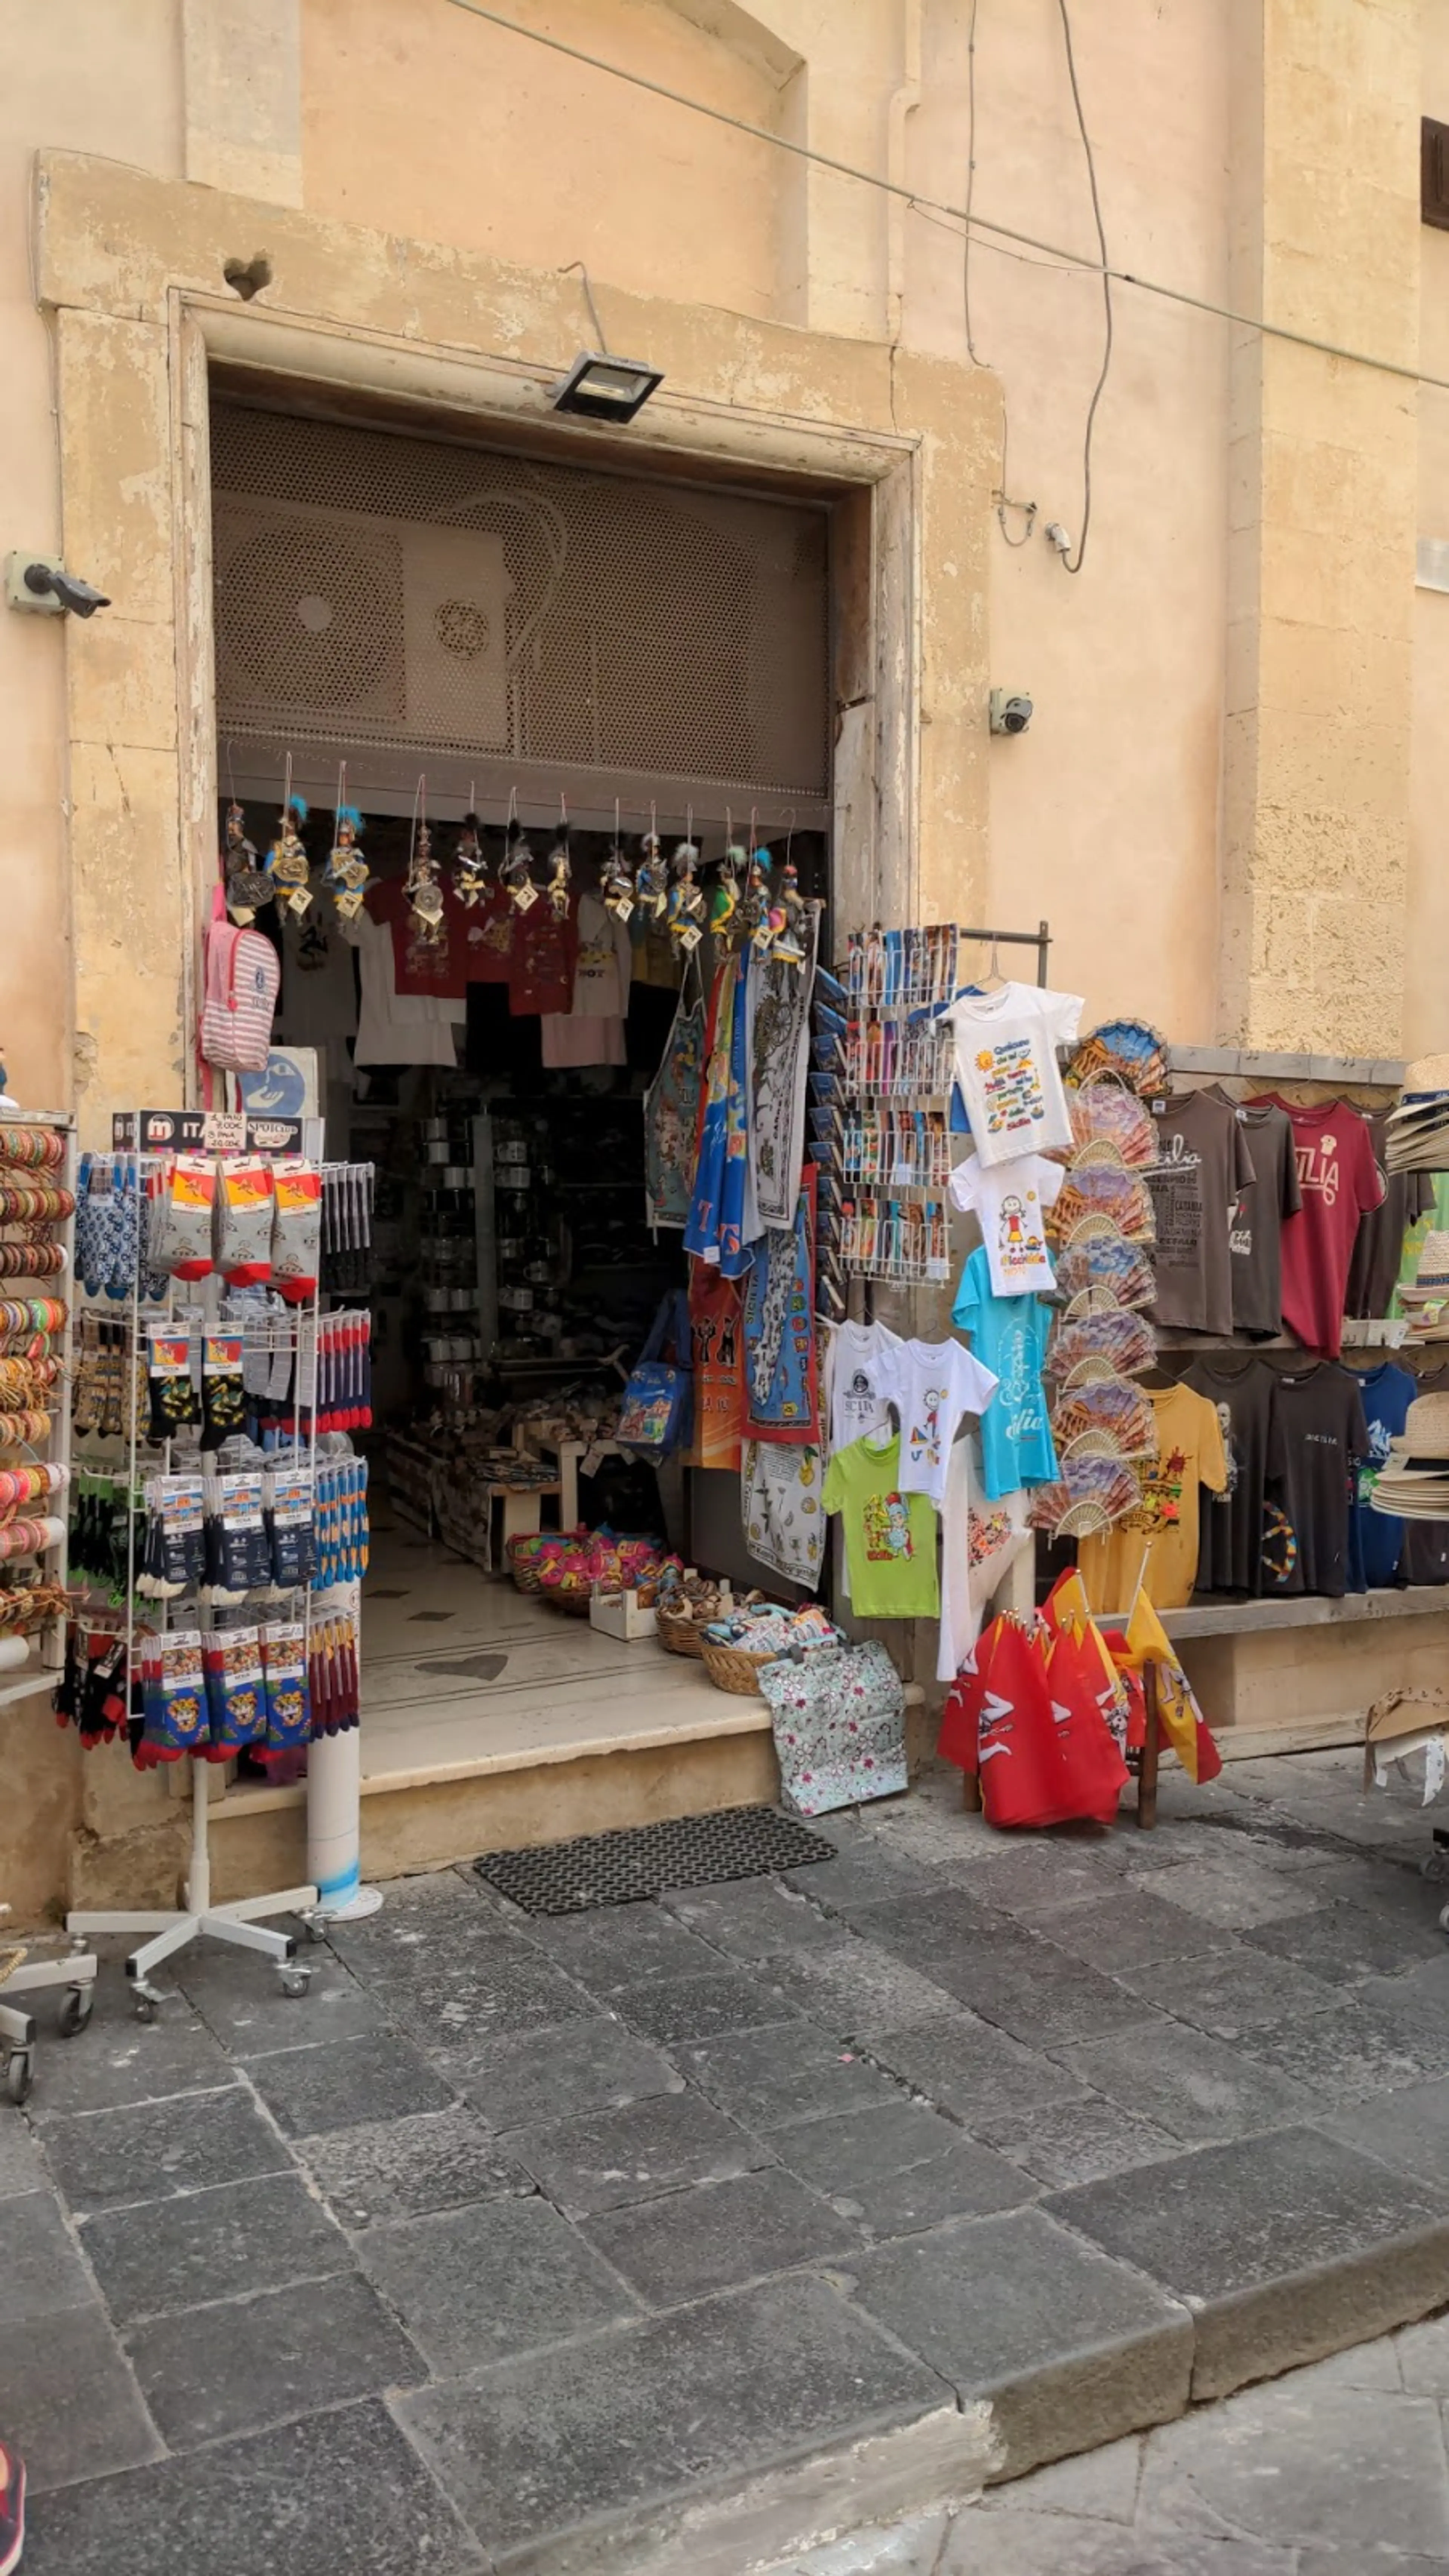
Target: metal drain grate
[{"x": 639, "y": 1861}]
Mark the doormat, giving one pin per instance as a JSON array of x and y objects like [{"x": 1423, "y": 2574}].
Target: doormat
[{"x": 639, "y": 1861}]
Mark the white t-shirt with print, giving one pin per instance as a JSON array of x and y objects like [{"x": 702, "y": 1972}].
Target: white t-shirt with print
[
  {"x": 1006, "y": 1065},
  {"x": 1010, "y": 1201},
  {"x": 865, "y": 1376},
  {"x": 939, "y": 1382}
]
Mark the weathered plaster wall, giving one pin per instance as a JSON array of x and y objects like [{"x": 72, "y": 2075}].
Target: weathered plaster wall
[
  {"x": 1426, "y": 997},
  {"x": 86, "y": 74},
  {"x": 1323, "y": 484}
]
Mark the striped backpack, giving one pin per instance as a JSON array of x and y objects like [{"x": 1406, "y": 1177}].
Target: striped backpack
[{"x": 242, "y": 981}]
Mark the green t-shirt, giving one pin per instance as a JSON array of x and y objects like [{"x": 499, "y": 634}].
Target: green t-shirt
[{"x": 890, "y": 1537}]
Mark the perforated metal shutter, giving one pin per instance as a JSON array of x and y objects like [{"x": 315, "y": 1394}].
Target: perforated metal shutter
[{"x": 390, "y": 599}]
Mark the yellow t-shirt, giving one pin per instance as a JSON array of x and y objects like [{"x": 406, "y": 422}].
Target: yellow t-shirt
[{"x": 1189, "y": 1455}]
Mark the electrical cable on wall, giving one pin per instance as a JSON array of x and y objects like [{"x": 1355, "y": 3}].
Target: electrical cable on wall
[
  {"x": 1003, "y": 499},
  {"x": 1100, "y": 385},
  {"x": 930, "y": 206}
]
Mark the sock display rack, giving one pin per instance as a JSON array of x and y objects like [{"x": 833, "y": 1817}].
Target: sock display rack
[
  {"x": 37, "y": 1237},
  {"x": 239, "y": 1543},
  {"x": 882, "y": 1078}
]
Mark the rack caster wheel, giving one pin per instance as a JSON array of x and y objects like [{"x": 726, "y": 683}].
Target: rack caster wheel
[
  {"x": 146, "y": 2007},
  {"x": 295, "y": 1981},
  {"x": 75, "y": 2011},
  {"x": 19, "y": 2075},
  {"x": 1444, "y": 1919}
]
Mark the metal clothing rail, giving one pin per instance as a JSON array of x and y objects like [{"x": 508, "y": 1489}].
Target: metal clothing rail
[{"x": 1040, "y": 939}]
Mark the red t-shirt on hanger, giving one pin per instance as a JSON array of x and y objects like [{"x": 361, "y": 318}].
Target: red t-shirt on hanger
[
  {"x": 542, "y": 958},
  {"x": 423, "y": 972},
  {"x": 1339, "y": 1181}
]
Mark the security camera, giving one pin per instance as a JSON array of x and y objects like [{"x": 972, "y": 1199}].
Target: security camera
[
  {"x": 41, "y": 584},
  {"x": 1008, "y": 711}
]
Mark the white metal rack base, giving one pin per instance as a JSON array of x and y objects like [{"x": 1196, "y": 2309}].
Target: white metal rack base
[
  {"x": 239, "y": 1925},
  {"x": 77, "y": 1973}
]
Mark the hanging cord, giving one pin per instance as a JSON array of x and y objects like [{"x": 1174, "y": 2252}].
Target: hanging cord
[
  {"x": 1003, "y": 504},
  {"x": 1100, "y": 385}
]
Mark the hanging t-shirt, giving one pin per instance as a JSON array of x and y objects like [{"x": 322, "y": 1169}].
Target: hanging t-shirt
[
  {"x": 1257, "y": 1227},
  {"x": 1010, "y": 1202},
  {"x": 1378, "y": 1246},
  {"x": 487, "y": 937},
  {"x": 1166, "y": 1521},
  {"x": 890, "y": 1536},
  {"x": 395, "y": 1028},
  {"x": 716, "y": 1333},
  {"x": 1006, "y": 1067},
  {"x": 978, "y": 1542},
  {"x": 436, "y": 969},
  {"x": 591, "y": 1030},
  {"x": 1202, "y": 1163},
  {"x": 542, "y": 954},
  {"x": 865, "y": 1377},
  {"x": 1230, "y": 1534},
  {"x": 1009, "y": 1337},
  {"x": 1338, "y": 1179},
  {"x": 1324, "y": 1436},
  {"x": 939, "y": 1382},
  {"x": 1375, "y": 1542}
]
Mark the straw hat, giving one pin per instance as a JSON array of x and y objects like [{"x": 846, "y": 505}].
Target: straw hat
[
  {"x": 1427, "y": 1073},
  {"x": 1431, "y": 1273},
  {"x": 1426, "y": 1429}
]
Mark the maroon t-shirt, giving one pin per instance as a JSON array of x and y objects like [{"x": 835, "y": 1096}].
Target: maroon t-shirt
[
  {"x": 1338, "y": 1180},
  {"x": 542, "y": 959},
  {"x": 422, "y": 968}
]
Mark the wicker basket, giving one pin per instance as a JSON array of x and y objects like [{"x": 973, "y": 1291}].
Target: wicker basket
[
  {"x": 734, "y": 1668},
  {"x": 523, "y": 1569},
  {"x": 572, "y": 1597},
  {"x": 677, "y": 1635}
]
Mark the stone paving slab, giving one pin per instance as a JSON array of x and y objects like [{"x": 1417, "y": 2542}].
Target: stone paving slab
[
  {"x": 673, "y": 2232},
  {"x": 1285, "y": 2245},
  {"x": 1016, "y": 2310},
  {"x": 537, "y": 2452}
]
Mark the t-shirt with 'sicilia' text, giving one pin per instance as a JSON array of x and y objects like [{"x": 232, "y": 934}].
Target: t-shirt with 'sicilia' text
[
  {"x": 1006, "y": 1066},
  {"x": 890, "y": 1536},
  {"x": 1009, "y": 1337},
  {"x": 1010, "y": 1203},
  {"x": 1202, "y": 1163},
  {"x": 1338, "y": 1179}
]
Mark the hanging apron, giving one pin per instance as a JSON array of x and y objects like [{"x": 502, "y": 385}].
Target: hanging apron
[{"x": 671, "y": 1118}]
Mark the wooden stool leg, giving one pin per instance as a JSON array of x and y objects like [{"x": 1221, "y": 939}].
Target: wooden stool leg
[
  {"x": 1151, "y": 1747},
  {"x": 970, "y": 1793}
]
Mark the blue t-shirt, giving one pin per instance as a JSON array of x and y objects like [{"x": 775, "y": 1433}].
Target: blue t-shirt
[
  {"x": 1009, "y": 1334},
  {"x": 1376, "y": 1543}
]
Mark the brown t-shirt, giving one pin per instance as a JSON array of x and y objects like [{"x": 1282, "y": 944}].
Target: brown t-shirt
[
  {"x": 1202, "y": 1163},
  {"x": 1257, "y": 1220},
  {"x": 1324, "y": 1436},
  {"x": 1378, "y": 1246}
]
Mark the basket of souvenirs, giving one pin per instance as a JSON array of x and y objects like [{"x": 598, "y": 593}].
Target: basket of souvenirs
[
  {"x": 571, "y": 1569},
  {"x": 736, "y": 1649}
]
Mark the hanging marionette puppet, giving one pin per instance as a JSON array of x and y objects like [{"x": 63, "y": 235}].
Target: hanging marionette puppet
[
  {"x": 686, "y": 903},
  {"x": 560, "y": 868},
  {"x": 755, "y": 909},
  {"x": 651, "y": 885},
  {"x": 787, "y": 916},
  {"x": 617, "y": 882},
  {"x": 286, "y": 859},
  {"x": 247, "y": 884},
  {"x": 515, "y": 864},
  {"x": 429, "y": 928},
  {"x": 470, "y": 867},
  {"x": 724, "y": 901},
  {"x": 346, "y": 872}
]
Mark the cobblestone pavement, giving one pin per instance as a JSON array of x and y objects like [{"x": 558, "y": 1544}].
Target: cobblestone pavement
[{"x": 546, "y": 2246}]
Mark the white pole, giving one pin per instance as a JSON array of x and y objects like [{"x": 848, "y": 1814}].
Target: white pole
[
  {"x": 334, "y": 1800},
  {"x": 198, "y": 1885}
]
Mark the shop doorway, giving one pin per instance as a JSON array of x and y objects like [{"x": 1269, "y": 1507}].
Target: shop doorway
[{"x": 428, "y": 628}]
